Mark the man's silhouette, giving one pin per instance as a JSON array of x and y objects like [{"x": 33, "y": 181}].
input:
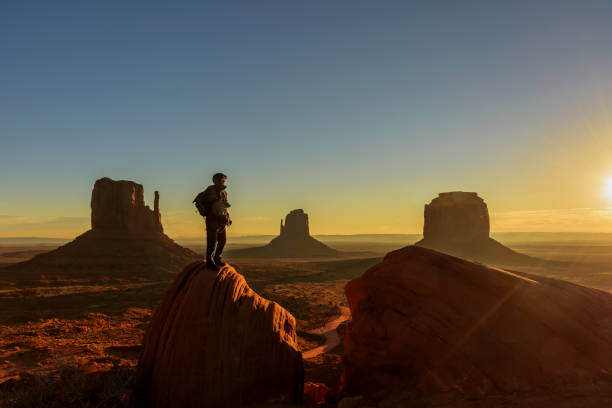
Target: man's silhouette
[{"x": 212, "y": 203}]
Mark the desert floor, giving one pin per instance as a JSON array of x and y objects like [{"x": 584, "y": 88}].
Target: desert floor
[{"x": 89, "y": 332}]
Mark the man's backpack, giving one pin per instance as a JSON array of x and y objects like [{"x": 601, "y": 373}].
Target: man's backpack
[{"x": 202, "y": 205}]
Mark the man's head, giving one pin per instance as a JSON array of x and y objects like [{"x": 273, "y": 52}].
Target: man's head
[{"x": 219, "y": 179}]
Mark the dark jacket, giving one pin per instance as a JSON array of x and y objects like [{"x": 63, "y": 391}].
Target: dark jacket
[{"x": 217, "y": 199}]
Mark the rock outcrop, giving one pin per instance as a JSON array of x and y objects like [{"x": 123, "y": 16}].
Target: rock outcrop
[
  {"x": 120, "y": 205},
  {"x": 458, "y": 223},
  {"x": 294, "y": 241},
  {"x": 126, "y": 240},
  {"x": 296, "y": 225},
  {"x": 213, "y": 342},
  {"x": 424, "y": 322},
  {"x": 456, "y": 217}
]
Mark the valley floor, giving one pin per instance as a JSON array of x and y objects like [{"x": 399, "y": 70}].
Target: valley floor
[{"x": 77, "y": 333}]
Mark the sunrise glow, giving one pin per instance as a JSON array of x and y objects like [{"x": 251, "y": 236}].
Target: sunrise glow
[{"x": 608, "y": 190}]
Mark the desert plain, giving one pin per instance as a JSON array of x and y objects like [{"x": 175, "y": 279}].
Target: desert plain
[{"x": 79, "y": 339}]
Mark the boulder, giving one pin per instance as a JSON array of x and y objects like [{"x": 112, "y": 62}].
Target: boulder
[
  {"x": 428, "y": 322},
  {"x": 315, "y": 392},
  {"x": 294, "y": 241},
  {"x": 458, "y": 223},
  {"x": 213, "y": 342}
]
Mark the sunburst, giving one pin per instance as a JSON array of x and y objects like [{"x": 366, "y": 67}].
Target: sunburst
[{"x": 608, "y": 188}]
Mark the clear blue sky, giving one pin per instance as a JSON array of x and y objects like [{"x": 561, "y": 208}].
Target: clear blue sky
[{"x": 359, "y": 112}]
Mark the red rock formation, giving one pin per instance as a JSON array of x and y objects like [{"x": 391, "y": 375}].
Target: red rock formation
[
  {"x": 126, "y": 241},
  {"x": 296, "y": 225},
  {"x": 316, "y": 391},
  {"x": 429, "y": 322},
  {"x": 458, "y": 223},
  {"x": 294, "y": 241},
  {"x": 456, "y": 217},
  {"x": 120, "y": 205},
  {"x": 213, "y": 342}
]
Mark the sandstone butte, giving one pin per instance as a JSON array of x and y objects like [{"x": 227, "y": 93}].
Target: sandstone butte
[
  {"x": 126, "y": 238},
  {"x": 213, "y": 342},
  {"x": 457, "y": 223},
  {"x": 294, "y": 241},
  {"x": 427, "y": 321}
]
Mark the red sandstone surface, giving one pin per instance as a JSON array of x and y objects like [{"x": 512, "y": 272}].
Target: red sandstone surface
[
  {"x": 214, "y": 342},
  {"x": 427, "y": 323}
]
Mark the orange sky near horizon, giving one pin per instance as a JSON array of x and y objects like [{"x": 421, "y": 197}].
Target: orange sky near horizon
[
  {"x": 560, "y": 186},
  {"x": 401, "y": 215},
  {"x": 188, "y": 226}
]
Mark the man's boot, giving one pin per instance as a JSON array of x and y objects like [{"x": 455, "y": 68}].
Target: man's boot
[
  {"x": 218, "y": 261},
  {"x": 210, "y": 264}
]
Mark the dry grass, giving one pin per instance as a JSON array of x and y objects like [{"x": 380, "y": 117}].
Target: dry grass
[
  {"x": 69, "y": 387},
  {"x": 96, "y": 342}
]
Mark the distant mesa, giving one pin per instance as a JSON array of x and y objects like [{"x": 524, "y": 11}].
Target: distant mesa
[
  {"x": 126, "y": 240},
  {"x": 213, "y": 342},
  {"x": 458, "y": 223},
  {"x": 424, "y": 322},
  {"x": 294, "y": 241}
]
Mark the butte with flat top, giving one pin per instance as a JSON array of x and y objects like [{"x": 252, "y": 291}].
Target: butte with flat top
[{"x": 457, "y": 223}]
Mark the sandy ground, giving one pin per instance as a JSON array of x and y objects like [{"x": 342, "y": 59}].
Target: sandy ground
[
  {"x": 330, "y": 331},
  {"x": 13, "y": 254},
  {"x": 98, "y": 325},
  {"x": 94, "y": 342}
]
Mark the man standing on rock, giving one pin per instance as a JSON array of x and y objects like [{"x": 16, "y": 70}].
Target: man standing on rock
[{"x": 212, "y": 204}]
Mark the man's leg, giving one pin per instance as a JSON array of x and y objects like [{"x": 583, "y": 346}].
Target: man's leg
[
  {"x": 211, "y": 240},
  {"x": 221, "y": 239}
]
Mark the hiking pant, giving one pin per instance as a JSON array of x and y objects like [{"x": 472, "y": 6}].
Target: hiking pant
[{"x": 215, "y": 236}]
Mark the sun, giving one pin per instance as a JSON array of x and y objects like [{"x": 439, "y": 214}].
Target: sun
[{"x": 608, "y": 190}]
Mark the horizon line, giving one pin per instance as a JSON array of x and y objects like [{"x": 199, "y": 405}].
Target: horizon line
[{"x": 332, "y": 234}]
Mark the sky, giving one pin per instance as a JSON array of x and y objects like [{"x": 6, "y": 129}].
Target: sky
[{"x": 359, "y": 112}]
